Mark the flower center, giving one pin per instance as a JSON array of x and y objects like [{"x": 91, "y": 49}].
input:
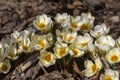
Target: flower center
[
  {"x": 107, "y": 78},
  {"x": 74, "y": 25},
  {"x": 70, "y": 38},
  {"x": 84, "y": 44},
  {"x": 98, "y": 33},
  {"x": 4, "y": 67},
  {"x": 93, "y": 68},
  {"x": 47, "y": 57},
  {"x": 10, "y": 54},
  {"x": 42, "y": 44},
  {"x": 62, "y": 51},
  {"x": 41, "y": 25},
  {"x": 62, "y": 21},
  {"x": 25, "y": 47},
  {"x": 84, "y": 27},
  {"x": 114, "y": 58},
  {"x": 75, "y": 52}
]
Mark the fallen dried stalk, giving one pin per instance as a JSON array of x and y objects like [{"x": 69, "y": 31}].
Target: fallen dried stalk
[
  {"x": 77, "y": 70},
  {"x": 24, "y": 66},
  {"x": 105, "y": 64}
]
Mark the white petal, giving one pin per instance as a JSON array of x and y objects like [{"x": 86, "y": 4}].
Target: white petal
[
  {"x": 98, "y": 63},
  {"x": 109, "y": 72},
  {"x": 102, "y": 77},
  {"x": 89, "y": 73},
  {"x": 88, "y": 64}
]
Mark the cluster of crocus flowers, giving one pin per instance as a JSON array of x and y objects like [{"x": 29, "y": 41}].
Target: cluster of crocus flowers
[
  {"x": 72, "y": 36},
  {"x": 13, "y": 46}
]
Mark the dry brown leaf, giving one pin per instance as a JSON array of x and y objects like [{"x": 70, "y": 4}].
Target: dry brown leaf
[
  {"x": 77, "y": 3},
  {"x": 70, "y": 6}
]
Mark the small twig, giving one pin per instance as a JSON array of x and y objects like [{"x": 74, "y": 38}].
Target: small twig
[
  {"x": 37, "y": 72},
  {"x": 43, "y": 68},
  {"x": 77, "y": 70},
  {"x": 66, "y": 73},
  {"x": 29, "y": 62}
]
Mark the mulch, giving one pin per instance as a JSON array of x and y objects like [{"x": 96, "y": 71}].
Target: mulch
[{"x": 19, "y": 14}]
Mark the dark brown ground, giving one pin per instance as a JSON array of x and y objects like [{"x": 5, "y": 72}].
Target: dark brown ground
[{"x": 19, "y": 14}]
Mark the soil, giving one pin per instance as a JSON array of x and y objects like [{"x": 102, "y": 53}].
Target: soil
[{"x": 19, "y": 14}]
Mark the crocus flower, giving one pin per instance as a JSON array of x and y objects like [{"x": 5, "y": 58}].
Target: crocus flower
[
  {"x": 82, "y": 41},
  {"x": 24, "y": 45},
  {"x": 92, "y": 68},
  {"x": 87, "y": 21},
  {"x": 5, "y": 66},
  {"x": 75, "y": 22},
  {"x": 110, "y": 75},
  {"x": 39, "y": 42},
  {"x": 63, "y": 19},
  {"x": 15, "y": 37},
  {"x": 11, "y": 52},
  {"x": 68, "y": 36},
  {"x": 43, "y": 23},
  {"x": 99, "y": 30},
  {"x": 105, "y": 43},
  {"x": 60, "y": 49},
  {"x": 113, "y": 56},
  {"x": 46, "y": 59},
  {"x": 75, "y": 52}
]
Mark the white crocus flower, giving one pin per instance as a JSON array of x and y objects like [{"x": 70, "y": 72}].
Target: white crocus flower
[
  {"x": 92, "y": 68},
  {"x": 63, "y": 19},
  {"x": 105, "y": 43},
  {"x": 87, "y": 21},
  {"x": 11, "y": 52},
  {"x": 5, "y": 42},
  {"x": 5, "y": 66},
  {"x": 82, "y": 41},
  {"x": 75, "y": 22},
  {"x": 118, "y": 42},
  {"x": 28, "y": 33},
  {"x": 73, "y": 51},
  {"x": 15, "y": 36},
  {"x": 43, "y": 23},
  {"x": 110, "y": 75},
  {"x": 39, "y": 42},
  {"x": 113, "y": 56},
  {"x": 46, "y": 59},
  {"x": 99, "y": 30},
  {"x": 24, "y": 44},
  {"x": 69, "y": 36},
  {"x": 60, "y": 49}
]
